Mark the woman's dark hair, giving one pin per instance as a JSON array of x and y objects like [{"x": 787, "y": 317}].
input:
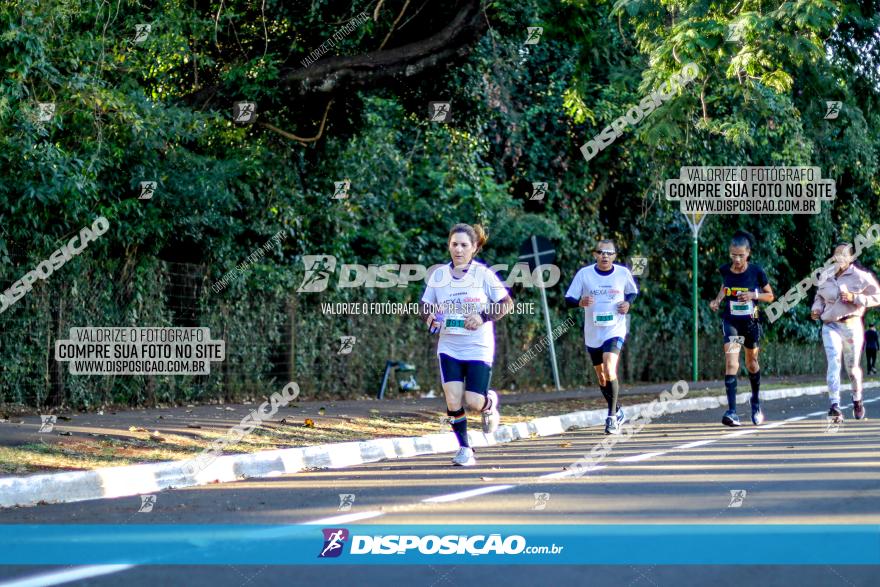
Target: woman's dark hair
[{"x": 741, "y": 238}]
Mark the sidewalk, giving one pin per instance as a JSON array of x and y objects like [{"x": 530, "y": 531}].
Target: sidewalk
[
  {"x": 81, "y": 441},
  {"x": 22, "y": 429},
  {"x": 158, "y": 467}
]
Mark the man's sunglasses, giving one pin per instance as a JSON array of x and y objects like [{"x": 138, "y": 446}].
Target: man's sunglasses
[{"x": 608, "y": 253}]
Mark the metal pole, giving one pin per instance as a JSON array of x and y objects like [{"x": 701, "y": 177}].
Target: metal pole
[
  {"x": 696, "y": 318},
  {"x": 546, "y": 316},
  {"x": 388, "y": 366}
]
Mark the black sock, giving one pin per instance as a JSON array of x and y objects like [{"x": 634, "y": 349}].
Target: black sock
[
  {"x": 730, "y": 386},
  {"x": 459, "y": 425},
  {"x": 606, "y": 392},
  {"x": 614, "y": 391},
  {"x": 755, "y": 380}
]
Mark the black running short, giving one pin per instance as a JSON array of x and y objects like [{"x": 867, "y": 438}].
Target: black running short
[
  {"x": 612, "y": 345},
  {"x": 474, "y": 374},
  {"x": 748, "y": 328}
]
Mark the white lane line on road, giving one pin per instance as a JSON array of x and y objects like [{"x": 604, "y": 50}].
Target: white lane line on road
[
  {"x": 641, "y": 457},
  {"x": 66, "y": 576},
  {"x": 466, "y": 494},
  {"x": 694, "y": 444},
  {"x": 741, "y": 433},
  {"x": 572, "y": 472},
  {"x": 773, "y": 425},
  {"x": 344, "y": 519}
]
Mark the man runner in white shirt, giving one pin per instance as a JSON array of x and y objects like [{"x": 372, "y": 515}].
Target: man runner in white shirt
[
  {"x": 605, "y": 291},
  {"x": 467, "y": 297}
]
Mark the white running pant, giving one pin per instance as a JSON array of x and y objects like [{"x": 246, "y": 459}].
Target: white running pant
[{"x": 843, "y": 342}]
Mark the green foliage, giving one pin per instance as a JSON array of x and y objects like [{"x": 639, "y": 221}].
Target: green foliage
[{"x": 125, "y": 114}]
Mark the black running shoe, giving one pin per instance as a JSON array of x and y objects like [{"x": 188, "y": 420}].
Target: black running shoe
[
  {"x": 835, "y": 414},
  {"x": 859, "y": 410}
]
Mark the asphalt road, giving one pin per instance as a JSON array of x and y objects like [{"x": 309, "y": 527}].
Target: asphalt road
[{"x": 681, "y": 468}]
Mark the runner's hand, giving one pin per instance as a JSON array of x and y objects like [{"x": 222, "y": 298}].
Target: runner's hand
[
  {"x": 713, "y": 305},
  {"x": 847, "y": 296},
  {"x": 744, "y": 296},
  {"x": 473, "y": 321},
  {"x": 623, "y": 307},
  {"x": 587, "y": 301},
  {"x": 433, "y": 322},
  {"x": 814, "y": 315}
]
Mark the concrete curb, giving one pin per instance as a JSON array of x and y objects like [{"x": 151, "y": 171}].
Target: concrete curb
[{"x": 149, "y": 478}]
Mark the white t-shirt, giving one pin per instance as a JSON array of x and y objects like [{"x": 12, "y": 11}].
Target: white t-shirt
[
  {"x": 468, "y": 295},
  {"x": 602, "y": 320}
]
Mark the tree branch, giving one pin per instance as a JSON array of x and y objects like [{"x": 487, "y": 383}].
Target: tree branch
[
  {"x": 394, "y": 24},
  {"x": 304, "y": 140},
  {"x": 335, "y": 73},
  {"x": 408, "y": 60}
]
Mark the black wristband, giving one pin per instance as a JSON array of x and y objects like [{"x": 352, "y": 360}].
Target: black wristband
[{"x": 485, "y": 317}]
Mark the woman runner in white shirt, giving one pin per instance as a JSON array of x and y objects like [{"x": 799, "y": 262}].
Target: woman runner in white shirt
[{"x": 462, "y": 300}]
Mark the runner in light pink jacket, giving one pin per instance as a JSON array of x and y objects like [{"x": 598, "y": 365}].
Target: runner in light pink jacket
[{"x": 841, "y": 301}]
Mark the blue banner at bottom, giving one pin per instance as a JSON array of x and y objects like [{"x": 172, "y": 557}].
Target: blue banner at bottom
[{"x": 693, "y": 544}]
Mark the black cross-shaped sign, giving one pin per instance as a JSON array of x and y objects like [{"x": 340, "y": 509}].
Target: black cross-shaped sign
[{"x": 542, "y": 253}]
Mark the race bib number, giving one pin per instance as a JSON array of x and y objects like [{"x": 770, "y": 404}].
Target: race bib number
[
  {"x": 454, "y": 324},
  {"x": 737, "y": 308},
  {"x": 604, "y": 318}
]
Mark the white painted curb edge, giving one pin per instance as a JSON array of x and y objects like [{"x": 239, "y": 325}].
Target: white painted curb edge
[{"x": 149, "y": 478}]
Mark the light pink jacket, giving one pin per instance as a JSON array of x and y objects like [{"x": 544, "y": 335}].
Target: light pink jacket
[{"x": 857, "y": 281}]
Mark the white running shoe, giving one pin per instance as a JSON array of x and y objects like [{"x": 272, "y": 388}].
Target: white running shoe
[
  {"x": 491, "y": 417},
  {"x": 464, "y": 457},
  {"x": 612, "y": 425}
]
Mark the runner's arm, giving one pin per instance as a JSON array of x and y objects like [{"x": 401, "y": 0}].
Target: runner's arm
[
  {"x": 495, "y": 311},
  {"x": 715, "y": 304},
  {"x": 766, "y": 294},
  {"x": 870, "y": 296},
  {"x": 574, "y": 293},
  {"x": 427, "y": 307},
  {"x": 425, "y": 314},
  {"x": 818, "y": 305}
]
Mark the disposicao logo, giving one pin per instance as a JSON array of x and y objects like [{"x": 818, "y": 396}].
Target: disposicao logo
[
  {"x": 319, "y": 269},
  {"x": 334, "y": 540}
]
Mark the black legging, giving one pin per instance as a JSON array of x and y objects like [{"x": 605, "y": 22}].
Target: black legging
[{"x": 872, "y": 358}]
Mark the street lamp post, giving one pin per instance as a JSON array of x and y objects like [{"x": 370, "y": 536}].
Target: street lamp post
[{"x": 695, "y": 221}]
